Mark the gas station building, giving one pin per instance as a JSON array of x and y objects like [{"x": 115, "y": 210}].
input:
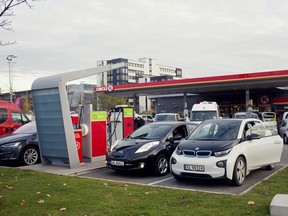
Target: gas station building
[{"x": 263, "y": 91}]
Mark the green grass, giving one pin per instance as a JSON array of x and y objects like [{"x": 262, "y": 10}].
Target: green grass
[{"x": 27, "y": 192}]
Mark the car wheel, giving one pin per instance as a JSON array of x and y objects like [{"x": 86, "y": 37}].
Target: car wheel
[
  {"x": 271, "y": 166},
  {"x": 30, "y": 155},
  {"x": 161, "y": 165},
  {"x": 239, "y": 172},
  {"x": 285, "y": 139}
]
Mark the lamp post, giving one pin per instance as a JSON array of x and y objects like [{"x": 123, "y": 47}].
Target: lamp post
[{"x": 9, "y": 59}]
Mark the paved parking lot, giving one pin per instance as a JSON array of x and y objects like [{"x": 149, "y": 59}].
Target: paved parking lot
[{"x": 213, "y": 186}]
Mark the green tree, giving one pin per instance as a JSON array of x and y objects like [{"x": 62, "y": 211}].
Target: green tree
[{"x": 104, "y": 102}]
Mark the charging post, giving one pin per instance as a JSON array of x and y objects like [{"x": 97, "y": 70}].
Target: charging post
[{"x": 121, "y": 123}]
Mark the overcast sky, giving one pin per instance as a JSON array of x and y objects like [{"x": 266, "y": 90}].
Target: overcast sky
[{"x": 203, "y": 37}]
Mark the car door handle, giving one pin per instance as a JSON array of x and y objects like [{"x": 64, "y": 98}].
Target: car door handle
[{"x": 277, "y": 142}]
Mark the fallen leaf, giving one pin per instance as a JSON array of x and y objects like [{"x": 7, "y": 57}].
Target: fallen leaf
[
  {"x": 105, "y": 184},
  {"x": 62, "y": 209},
  {"x": 22, "y": 202},
  {"x": 2, "y": 174},
  {"x": 48, "y": 195},
  {"x": 38, "y": 192},
  {"x": 251, "y": 203},
  {"x": 40, "y": 201},
  {"x": 9, "y": 187},
  {"x": 1, "y": 196},
  {"x": 181, "y": 197},
  {"x": 64, "y": 184}
]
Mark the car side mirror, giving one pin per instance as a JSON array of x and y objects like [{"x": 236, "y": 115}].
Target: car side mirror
[
  {"x": 253, "y": 136},
  {"x": 177, "y": 137}
]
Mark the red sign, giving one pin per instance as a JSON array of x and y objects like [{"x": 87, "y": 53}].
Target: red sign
[{"x": 103, "y": 88}]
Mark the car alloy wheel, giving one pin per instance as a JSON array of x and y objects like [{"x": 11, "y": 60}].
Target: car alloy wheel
[
  {"x": 239, "y": 172},
  {"x": 29, "y": 156},
  {"x": 161, "y": 165}
]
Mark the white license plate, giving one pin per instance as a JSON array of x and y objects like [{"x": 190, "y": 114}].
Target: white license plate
[
  {"x": 199, "y": 168},
  {"x": 117, "y": 163}
]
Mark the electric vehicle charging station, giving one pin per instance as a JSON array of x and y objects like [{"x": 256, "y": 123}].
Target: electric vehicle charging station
[
  {"x": 94, "y": 128},
  {"x": 121, "y": 123}
]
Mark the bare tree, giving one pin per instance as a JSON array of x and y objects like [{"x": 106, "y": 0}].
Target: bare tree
[{"x": 6, "y": 10}]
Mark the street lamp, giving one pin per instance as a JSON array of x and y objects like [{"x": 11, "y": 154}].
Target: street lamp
[{"x": 9, "y": 59}]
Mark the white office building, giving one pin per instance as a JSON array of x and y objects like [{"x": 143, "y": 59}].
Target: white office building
[{"x": 133, "y": 70}]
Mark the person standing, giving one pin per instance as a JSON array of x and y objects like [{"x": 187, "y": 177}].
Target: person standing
[{"x": 138, "y": 122}]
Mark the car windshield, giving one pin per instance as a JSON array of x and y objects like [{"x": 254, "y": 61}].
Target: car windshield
[
  {"x": 165, "y": 117},
  {"x": 29, "y": 128},
  {"x": 151, "y": 132},
  {"x": 216, "y": 130},
  {"x": 246, "y": 115},
  {"x": 203, "y": 115}
]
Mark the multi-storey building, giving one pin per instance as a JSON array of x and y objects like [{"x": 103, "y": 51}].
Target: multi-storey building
[{"x": 133, "y": 71}]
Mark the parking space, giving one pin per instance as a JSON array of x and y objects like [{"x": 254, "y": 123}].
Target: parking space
[{"x": 213, "y": 186}]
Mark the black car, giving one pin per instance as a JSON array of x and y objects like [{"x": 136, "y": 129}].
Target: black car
[
  {"x": 149, "y": 147},
  {"x": 21, "y": 146}
]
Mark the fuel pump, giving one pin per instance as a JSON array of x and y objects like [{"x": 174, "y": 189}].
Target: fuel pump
[{"x": 121, "y": 123}]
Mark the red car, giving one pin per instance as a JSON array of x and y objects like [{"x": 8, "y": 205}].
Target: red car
[{"x": 11, "y": 117}]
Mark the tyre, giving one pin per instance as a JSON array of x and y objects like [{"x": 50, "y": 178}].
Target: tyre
[
  {"x": 239, "y": 172},
  {"x": 271, "y": 166},
  {"x": 285, "y": 139},
  {"x": 161, "y": 167},
  {"x": 29, "y": 156}
]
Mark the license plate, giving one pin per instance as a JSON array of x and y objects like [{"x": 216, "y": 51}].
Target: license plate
[
  {"x": 199, "y": 168},
  {"x": 117, "y": 163}
]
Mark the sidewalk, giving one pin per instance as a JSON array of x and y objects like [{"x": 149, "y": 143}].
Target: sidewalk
[{"x": 66, "y": 170}]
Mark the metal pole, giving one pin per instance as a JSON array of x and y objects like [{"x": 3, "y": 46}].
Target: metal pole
[{"x": 10, "y": 58}]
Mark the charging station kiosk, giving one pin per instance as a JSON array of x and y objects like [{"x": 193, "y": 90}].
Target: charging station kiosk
[
  {"x": 94, "y": 125},
  {"x": 121, "y": 123}
]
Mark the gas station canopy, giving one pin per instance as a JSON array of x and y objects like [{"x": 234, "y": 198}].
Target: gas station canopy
[{"x": 246, "y": 81}]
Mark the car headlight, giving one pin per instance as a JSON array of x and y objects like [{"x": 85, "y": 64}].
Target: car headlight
[
  {"x": 10, "y": 145},
  {"x": 114, "y": 144},
  {"x": 222, "y": 153},
  {"x": 178, "y": 151},
  {"x": 147, "y": 146}
]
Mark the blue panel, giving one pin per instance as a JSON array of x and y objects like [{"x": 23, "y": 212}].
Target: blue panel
[{"x": 50, "y": 125}]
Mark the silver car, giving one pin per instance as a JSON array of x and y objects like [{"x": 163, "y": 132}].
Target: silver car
[{"x": 283, "y": 130}]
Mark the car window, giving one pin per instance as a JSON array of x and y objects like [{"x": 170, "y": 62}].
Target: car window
[
  {"x": 217, "y": 130},
  {"x": 180, "y": 131},
  {"x": 3, "y": 115},
  {"x": 165, "y": 117},
  {"x": 263, "y": 130},
  {"x": 191, "y": 128},
  {"x": 149, "y": 131},
  {"x": 16, "y": 117},
  {"x": 203, "y": 115}
]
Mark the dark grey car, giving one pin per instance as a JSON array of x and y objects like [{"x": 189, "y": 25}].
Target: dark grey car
[
  {"x": 21, "y": 145},
  {"x": 149, "y": 147}
]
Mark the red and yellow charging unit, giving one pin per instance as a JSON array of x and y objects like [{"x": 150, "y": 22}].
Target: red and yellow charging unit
[{"x": 98, "y": 133}]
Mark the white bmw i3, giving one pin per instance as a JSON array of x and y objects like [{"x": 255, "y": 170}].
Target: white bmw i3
[{"x": 227, "y": 148}]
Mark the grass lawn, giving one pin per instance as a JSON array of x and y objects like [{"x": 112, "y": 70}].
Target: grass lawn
[{"x": 27, "y": 192}]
